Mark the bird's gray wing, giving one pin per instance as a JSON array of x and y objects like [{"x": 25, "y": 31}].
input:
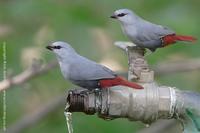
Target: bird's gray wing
[
  {"x": 89, "y": 70},
  {"x": 150, "y": 31}
]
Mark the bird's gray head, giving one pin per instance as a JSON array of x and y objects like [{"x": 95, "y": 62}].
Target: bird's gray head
[
  {"x": 61, "y": 49},
  {"x": 125, "y": 16}
]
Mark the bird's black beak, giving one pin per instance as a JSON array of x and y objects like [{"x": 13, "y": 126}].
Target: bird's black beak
[
  {"x": 49, "y": 47},
  {"x": 113, "y": 16}
]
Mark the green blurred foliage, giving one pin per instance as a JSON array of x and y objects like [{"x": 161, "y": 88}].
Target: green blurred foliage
[{"x": 27, "y": 26}]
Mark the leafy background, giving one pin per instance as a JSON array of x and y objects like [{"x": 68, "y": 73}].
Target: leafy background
[{"x": 27, "y": 26}]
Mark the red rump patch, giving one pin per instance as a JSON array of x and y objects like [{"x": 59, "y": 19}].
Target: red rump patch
[
  {"x": 104, "y": 83},
  {"x": 173, "y": 38},
  {"x": 168, "y": 39}
]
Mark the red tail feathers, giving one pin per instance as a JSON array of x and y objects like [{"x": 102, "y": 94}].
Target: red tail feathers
[
  {"x": 185, "y": 38},
  {"x": 170, "y": 39},
  {"x": 118, "y": 81}
]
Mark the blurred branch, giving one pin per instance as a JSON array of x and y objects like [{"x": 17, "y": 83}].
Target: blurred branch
[
  {"x": 30, "y": 119},
  {"x": 35, "y": 70},
  {"x": 165, "y": 68},
  {"x": 178, "y": 66}
]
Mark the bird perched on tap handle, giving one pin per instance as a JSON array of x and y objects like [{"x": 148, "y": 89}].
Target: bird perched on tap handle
[{"x": 146, "y": 34}]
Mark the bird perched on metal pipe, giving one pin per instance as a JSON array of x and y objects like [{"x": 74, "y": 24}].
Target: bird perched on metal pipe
[
  {"x": 146, "y": 34},
  {"x": 84, "y": 72}
]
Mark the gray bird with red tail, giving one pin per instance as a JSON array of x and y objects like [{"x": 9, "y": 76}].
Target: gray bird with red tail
[
  {"x": 146, "y": 34},
  {"x": 84, "y": 72}
]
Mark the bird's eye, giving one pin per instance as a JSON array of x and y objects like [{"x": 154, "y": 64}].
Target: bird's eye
[
  {"x": 57, "y": 47},
  {"x": 121, "y": 14}
]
